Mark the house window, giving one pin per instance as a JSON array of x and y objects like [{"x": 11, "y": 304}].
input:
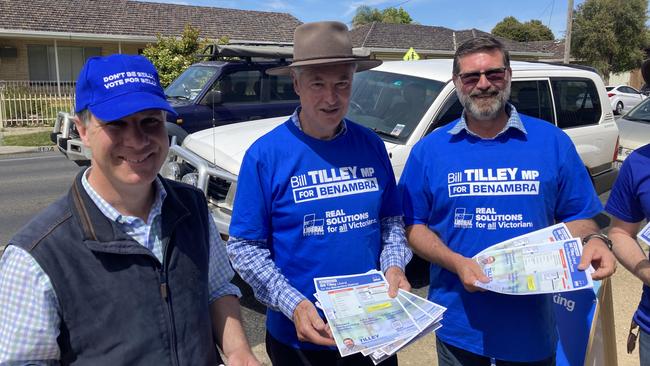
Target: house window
[{"x": 42, "y": 64}]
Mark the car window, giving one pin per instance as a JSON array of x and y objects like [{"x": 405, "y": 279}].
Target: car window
[
  {"x": 532, "y": 98},
  {"x": 391, "y": 104},
  {"x": 451, "y": 111},
  {"x": 576, "y": 102},
  {"x": 240, "y": 87},
  {"x": 190, "y": 83},
  {"x": 281, "y": 88},
  {"x": 609, "y": 88},
  {"x": 640, "y": 113}
]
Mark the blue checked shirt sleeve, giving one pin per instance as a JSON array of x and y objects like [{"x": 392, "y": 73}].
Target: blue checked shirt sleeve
[
  {"x": 29, "y": 312},
  {"x": 252, "y": 260},
  {"x": 219, "y": 273},
  {"x": 395, "y": 251}
]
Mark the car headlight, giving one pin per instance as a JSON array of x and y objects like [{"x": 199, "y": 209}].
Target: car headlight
[
  {"x": 191, "y": 179},
  {"x": 171, "y": 170}
]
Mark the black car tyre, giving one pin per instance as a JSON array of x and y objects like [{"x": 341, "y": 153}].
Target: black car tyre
[{"x": 619, "y": 108}]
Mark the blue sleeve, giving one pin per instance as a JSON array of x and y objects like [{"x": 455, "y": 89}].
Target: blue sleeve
[
  {"x": 251, "y": 217},
  {"x": 576, "y": 197},
  {"x": 414, "y": 190},
  {"x": 623, "y": 201}
]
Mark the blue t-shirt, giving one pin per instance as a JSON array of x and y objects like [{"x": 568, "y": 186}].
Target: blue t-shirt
[
  {"x": 629, "y": 201},
  {"x": 319, "y": 205},
  {"x": 477, "y": 192}
]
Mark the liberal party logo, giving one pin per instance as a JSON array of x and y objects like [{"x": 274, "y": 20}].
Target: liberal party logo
[
  {"x": 462, "y": 219},
  {"x": 313, "y": 226}
]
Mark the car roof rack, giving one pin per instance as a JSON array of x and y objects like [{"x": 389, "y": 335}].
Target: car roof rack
[{"x": 215, "y": 52}]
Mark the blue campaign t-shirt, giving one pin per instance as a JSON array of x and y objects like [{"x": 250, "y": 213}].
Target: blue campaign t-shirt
[
  {"x": 319, "y": 205},
  {"x": 629, "y": 201},
  {"x": 477, "y": 192}
]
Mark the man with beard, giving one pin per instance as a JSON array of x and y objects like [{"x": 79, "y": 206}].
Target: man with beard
[{"x": 493, "y": 175}]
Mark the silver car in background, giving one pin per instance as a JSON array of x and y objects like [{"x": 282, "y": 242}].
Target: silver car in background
[{"x": 634, "y": 129}]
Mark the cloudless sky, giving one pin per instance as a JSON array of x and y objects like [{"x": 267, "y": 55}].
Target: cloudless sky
[{"x": 454, "y": 14}]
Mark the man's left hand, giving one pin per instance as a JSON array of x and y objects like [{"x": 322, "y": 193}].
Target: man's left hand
[
  {"x": 396, "y": 280},
  {"x": 242, "y": 358},
  {"x": 600, "y": 257}
]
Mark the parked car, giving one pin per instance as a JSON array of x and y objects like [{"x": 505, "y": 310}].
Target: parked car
[
  {"x": 623, "y": 98},
  {"x": 232, "y": 86},
  {"x": 634, "y": 129},
  {"x": 571, "y": 97}
]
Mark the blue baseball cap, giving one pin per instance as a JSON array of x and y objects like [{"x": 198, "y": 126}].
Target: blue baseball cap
[{"x": 116, "y": 86}]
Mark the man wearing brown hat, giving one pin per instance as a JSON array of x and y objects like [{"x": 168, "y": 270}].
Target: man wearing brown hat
[{"x": 316, "y": 197}]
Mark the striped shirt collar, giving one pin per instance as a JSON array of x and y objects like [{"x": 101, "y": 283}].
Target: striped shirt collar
[
  {"x": 343, "y": 127},
  {"x": 112, "y": 214},
  {"x": 514, "y": 121}
]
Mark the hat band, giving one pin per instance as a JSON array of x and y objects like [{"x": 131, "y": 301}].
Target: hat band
[{"x": 326, "y": 57}]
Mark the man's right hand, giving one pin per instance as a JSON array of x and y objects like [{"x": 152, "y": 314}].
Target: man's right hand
[
  {"x": 469, "y": 272},
  {"x": 310, "y": 327}
]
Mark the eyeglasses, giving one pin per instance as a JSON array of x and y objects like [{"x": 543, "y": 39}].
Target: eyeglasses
[
  {"x": 631, "y": 337},
  {"x": 493, "y": 75}
]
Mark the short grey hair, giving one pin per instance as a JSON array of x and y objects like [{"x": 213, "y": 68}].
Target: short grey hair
[
  {"x": 85, "y": 116},
  {"x": 474, "y": 45}
]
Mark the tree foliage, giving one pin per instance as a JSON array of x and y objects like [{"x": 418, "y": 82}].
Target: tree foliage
[
  {"x": 533, "y": 30},
  {"x": 610, "y": 34},
  {"x": 172, "y": 55},
  {"x": 365, "y": 15}
]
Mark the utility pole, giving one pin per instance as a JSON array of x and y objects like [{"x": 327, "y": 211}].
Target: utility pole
[{"x": 567, "y": 36}]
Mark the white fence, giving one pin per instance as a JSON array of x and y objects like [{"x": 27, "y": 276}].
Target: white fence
[{"x": 34, "y": 103}]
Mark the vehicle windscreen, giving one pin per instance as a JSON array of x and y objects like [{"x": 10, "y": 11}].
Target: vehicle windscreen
[
  {"x": 190, "y": 83},
  {"x": 390, "y": 104},
  {"x": 640, "y": 113},
  {"x": 609, "y": 88}
]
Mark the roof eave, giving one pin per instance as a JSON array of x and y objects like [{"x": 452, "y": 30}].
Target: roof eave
[
  {"x": 23, "y": 33},
  {"x": 370, "y": 50}
]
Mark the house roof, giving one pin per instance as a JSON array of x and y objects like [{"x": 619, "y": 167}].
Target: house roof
[
  {"x": 125, "y": 18},
  {"x": 429, "y": 38}
]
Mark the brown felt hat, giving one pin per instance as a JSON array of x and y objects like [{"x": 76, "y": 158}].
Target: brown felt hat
[{"x": 323, "y": 43}]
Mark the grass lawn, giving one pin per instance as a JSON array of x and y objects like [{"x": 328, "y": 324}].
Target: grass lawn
[{"x": 28, "y": 139}]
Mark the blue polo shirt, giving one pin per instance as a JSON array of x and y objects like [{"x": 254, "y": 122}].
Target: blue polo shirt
[
  {"x": 629, "y": 201},
  {"x": 476, "y": 192},
  {"x": 319, "y": 207}
]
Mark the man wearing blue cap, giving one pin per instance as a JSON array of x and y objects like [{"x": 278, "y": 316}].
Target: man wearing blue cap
[{"x": 127, "y": 268}]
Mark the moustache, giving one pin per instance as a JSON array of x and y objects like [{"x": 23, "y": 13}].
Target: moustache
[{"x": 487, "y": 93}]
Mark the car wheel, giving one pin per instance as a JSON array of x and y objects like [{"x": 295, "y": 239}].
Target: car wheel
[{"x": 619, "y": 108}]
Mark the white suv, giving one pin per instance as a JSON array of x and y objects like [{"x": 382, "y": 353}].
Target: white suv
[{"x": 403, "y": 101}]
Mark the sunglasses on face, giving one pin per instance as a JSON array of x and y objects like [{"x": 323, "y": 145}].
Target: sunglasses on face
[{"x": 493, "y": 75}]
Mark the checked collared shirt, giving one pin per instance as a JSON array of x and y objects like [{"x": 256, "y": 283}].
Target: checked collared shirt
[{"x": 29, "y": 315}]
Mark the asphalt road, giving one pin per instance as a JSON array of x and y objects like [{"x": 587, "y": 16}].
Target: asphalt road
[{"x": 29, "y": 182}]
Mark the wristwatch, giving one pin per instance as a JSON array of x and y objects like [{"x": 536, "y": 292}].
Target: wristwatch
[{"x": 600, "y": 236}]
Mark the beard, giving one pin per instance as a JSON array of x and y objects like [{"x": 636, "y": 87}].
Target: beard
[{"x": 486, "y": 104}]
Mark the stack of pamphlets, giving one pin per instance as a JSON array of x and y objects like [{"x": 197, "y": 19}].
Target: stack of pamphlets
[
  {"x": 363, "y": 318},
  {"x": 540, "y": 262}
]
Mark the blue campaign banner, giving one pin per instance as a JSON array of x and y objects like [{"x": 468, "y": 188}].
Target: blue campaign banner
[{"x": 574, "y": 312}]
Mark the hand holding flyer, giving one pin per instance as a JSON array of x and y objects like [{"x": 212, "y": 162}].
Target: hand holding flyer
[
  {"x": 543, "y": 261},
  {"x": 363, "y": 318}
]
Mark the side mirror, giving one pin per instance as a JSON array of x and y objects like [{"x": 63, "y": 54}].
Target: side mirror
[{"x": 213, "y": 97}]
